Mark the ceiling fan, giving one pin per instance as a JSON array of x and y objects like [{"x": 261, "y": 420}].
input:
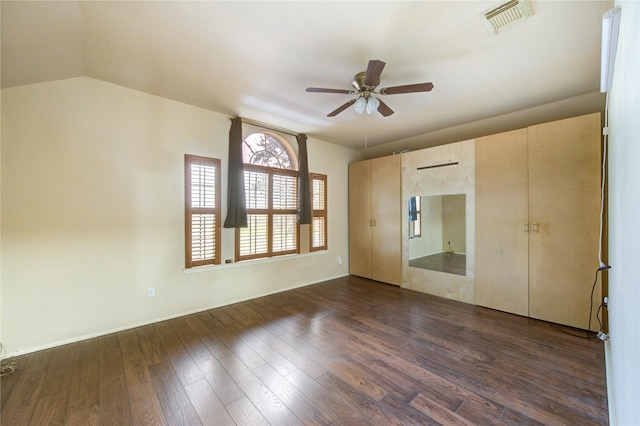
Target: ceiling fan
[{"x": 365, "y": 84}]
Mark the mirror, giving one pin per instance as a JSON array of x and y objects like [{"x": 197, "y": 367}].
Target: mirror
[{"x": 437, "y": 233}]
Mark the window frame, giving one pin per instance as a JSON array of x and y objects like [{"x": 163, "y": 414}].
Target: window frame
[
  {"x": 215, "y": 163},
  {"x": 270, "y": 212},
  {"x": 319, "y": 213}
]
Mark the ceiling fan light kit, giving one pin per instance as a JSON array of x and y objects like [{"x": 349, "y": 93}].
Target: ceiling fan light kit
[
  {"x": 372, "y": 105},
  {"x": 368, "y": 102},
  {"x": 360, "y": 104},
  {"x": 365, "y": 84}
]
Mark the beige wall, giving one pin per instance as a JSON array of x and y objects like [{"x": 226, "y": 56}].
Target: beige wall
[
  {"x": 93, "y": 214},
  {"x": 458, "y": 179}
]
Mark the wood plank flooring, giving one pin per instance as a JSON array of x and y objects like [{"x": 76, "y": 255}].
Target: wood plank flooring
[{"x": 348, "y": 352}]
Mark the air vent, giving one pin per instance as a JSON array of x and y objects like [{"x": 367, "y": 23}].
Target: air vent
[{"x": 502, "y": 17}]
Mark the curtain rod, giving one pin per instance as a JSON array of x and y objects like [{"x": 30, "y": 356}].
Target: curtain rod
[{"x": 268, "y": 126}]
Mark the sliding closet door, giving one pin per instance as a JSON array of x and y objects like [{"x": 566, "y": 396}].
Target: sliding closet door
[
  {"x": 502, "y": 252},
  {"x": 360, "y": 219},
  {"x": 564, "y": 208},
  {"x": 387, "y": 219}
]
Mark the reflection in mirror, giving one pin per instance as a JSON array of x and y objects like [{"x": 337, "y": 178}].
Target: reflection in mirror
[{"x": 437, "y": 233}]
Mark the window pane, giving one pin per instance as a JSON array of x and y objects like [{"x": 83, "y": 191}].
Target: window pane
[
  {"x": 284, "y": 192},
  {"x": 318, "y": 194},
  {"x": 284, "y": 232},
  {"x": 203, "y": 228},
  {"x": 263, "y": 149},
  {"x": 317, "y": 233},
  {"x": 203, "y": 184},
  {"x": 257, "y": 189},
  {"x": 254, "y": 238}
]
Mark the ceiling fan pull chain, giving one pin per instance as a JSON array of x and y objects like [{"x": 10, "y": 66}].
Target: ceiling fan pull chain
[{"x": 365, "y": 131}]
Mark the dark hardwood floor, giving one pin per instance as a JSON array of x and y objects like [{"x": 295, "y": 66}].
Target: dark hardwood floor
[{"x": 347, "y": 351}]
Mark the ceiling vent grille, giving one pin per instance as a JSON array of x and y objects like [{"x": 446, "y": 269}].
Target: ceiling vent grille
[{"x": 507, "y": 14}]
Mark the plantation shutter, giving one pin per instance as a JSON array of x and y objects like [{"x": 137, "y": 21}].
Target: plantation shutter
[
  {"x": 202, "y": 211},
  {"x": 319, "y": 212}
]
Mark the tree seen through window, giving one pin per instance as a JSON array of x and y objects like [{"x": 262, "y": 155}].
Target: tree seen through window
[{"x": 263, "y": 149}]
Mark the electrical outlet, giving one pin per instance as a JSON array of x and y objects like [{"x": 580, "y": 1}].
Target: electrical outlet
[
  {"x": 603, "y": 336},
  {"x": 151, "y": 292},
  {"x": 339, "y": 260}
]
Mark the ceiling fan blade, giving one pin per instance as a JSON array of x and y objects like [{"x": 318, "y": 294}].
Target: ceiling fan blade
[
  {"x": 372, "y": 77},
  {"x": 384, "y": 109},
  {"x": 341, "y": 108},
  {"x": 321, "y": 90},
  {"x": 409, "y": 88}
]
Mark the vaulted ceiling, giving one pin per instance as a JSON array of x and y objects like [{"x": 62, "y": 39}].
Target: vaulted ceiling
[{"x": 255, "y": 59}]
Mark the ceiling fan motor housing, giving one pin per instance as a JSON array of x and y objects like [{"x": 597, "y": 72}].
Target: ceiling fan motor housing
[{"x": 358, "y": 82}]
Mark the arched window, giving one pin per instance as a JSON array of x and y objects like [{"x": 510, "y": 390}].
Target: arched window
[
  {"x": 264, "y": 149},
  {"x": 271, "y": 189}
]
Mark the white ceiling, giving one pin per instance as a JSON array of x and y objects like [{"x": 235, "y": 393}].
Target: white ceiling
[{"x": 255, "y": 59}]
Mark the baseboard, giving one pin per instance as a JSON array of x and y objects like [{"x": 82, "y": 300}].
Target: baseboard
[
  {"x": 608, "y": 374},
  {"x": 153, "y": 321}
]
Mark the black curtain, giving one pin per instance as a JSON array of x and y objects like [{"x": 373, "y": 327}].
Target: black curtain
[
  {"x": 304, "y": 189},
  {"x": 236, "y": 201}
]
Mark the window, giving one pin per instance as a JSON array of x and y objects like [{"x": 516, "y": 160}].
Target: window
[
  {"x": 415, "y": 217},
  {"x": 264, "y": 149},
  {"x": 271, "y": 189},
  {"x": 319, "y": 211},
  {"x": 202, "y": 211}
]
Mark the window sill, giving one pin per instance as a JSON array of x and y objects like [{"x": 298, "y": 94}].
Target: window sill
[{"x": 252, "y": 262}]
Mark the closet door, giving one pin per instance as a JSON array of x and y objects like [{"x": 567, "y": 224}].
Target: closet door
[
  {"x": 564, "y": 208},
  {"x": 502, "y": 252},
  {"x": 360, "y": 219},
  {"x": 386, "y": 214}
]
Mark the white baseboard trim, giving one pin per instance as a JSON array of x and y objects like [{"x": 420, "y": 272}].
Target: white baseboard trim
[
  {"x": 609, "y": 373},
  {"x": 153, "y": 321}
]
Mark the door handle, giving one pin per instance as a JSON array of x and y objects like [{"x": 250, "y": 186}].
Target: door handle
[
  {"x": 525, "y": 227},
  {"x": 535, "y": 227}
]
